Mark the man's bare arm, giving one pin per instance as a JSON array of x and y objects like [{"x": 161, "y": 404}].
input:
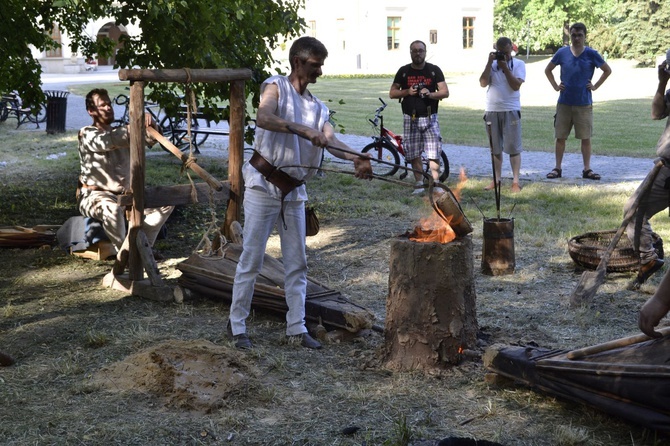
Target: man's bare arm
[
  {"x": 658, "y": 107},
  {"x": 267, "y": 118}
]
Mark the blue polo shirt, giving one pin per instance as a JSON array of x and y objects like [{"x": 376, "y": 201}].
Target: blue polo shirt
[{"x": 576, "y": 72}]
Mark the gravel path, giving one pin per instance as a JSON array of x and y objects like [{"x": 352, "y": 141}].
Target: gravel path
[{"x": 475, "y": 160}]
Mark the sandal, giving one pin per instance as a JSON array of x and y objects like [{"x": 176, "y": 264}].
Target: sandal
[
  {"x": 590, "y": 175},
  {"x": 555, "y": 173}
]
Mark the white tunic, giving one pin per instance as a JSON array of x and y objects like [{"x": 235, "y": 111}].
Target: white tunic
[{"x": 285, "y": 149}]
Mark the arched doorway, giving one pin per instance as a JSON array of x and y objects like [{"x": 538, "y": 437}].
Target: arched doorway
[{"x": 113, "y": 32}]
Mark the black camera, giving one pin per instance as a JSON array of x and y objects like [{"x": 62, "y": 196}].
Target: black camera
[
  {"x": 420, "y": 86},
  {"x": 500, "y": 55}
]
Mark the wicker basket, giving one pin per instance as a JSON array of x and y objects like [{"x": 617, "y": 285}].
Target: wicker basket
[{"x": 587, "y": 249}]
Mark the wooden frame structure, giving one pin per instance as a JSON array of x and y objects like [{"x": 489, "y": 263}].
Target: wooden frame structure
[{"x": 136, "y": 254}]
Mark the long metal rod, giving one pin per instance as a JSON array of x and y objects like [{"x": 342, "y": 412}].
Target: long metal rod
[
  {"x": 429, "y": 178},
  {"x": 496, "y": 181}
]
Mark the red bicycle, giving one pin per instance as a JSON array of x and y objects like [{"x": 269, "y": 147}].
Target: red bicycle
[{"x": 388, "y": 147}]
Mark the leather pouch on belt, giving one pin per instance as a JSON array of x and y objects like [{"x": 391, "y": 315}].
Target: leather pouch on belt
[{"x": 284, "y": 182}]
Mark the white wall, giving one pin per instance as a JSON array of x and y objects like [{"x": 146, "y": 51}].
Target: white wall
[
  {"x": 74, "y": 63},
  {"x": 355, "y": 35},
  {"x": 362, "y": 27}
]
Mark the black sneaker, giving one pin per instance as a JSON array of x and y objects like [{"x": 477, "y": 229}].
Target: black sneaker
[
  {"x": 306, "y": 341},
  {"x": 241, "y": 340}
]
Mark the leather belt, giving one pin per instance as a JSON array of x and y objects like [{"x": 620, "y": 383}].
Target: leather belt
[
  {"x": 81, "y": 186},
  {"x": 284, "y": 182}
]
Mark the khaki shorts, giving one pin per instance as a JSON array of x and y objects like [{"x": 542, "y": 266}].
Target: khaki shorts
[{"x": 567, "y": 116}]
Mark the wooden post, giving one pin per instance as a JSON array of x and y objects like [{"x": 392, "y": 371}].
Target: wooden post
[
  {"x": 235, "y": 155},
  {"x": 137, "y": 177}
]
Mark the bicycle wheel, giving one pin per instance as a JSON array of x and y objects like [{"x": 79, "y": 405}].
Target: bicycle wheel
[
  {"x": 41, "y": 115},
  {"x": 4, "y": 112},
  {"x": 200, "y": 123},
  {"x": 386, "y": 153},
  {"x": 174, "y": 130},
  {"x": 444, "y": 166}
]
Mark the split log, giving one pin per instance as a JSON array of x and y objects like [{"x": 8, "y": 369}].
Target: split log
[
  {"x": 430, "y": 309},
  {"x": 214, "y": 276}
]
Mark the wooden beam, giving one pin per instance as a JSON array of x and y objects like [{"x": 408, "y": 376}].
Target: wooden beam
[
  {"x": 190, "y": 163},
  {"x": 143, "y": 288},
  {"x": 186, "y": 75},
  {"x": 159, "y": 196}
]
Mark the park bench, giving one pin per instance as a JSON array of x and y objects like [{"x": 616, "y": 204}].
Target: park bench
[{"x": 11, "y": 105}]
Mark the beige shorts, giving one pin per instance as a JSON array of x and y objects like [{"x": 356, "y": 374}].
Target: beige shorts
[{"x": 567, "y": 116}]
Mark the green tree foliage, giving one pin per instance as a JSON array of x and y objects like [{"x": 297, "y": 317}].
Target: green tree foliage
[
  {"x": 643, "y": 30},
  {"x": 24, "y": 23},
  {"x": 175, "y": 34},
  {"x": 542, "y": 25}
]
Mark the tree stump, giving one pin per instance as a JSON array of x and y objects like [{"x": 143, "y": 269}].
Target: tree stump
[{"x": 431, "y": 306}]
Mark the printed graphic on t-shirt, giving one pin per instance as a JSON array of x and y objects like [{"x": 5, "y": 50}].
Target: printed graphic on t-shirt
[{"x": 421, "y": 80}]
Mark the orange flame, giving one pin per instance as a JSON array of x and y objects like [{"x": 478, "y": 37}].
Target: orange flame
[{"x": 434, "y": 228}]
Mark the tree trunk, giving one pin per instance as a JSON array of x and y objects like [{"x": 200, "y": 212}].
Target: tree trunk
[{"x": 431, "y": 306}]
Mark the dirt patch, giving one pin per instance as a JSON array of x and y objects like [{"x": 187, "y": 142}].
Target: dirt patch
[{"x": 193, "y": 375}]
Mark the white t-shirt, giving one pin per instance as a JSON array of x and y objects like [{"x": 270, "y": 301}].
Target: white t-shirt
[
  {"x": 286, "y": 149},
  {"x": 500, "y": 96}
]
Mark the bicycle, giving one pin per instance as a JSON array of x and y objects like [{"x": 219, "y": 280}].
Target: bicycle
[
  {"x": 388, "y": 147},
  {"x": 11, "y": 105},
  {"x": 173, "y": 128}
]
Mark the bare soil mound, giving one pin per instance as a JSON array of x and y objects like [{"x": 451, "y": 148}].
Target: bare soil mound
[{"x": 194, "y": 375}]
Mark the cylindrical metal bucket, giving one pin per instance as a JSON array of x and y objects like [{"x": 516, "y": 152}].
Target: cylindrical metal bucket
[{"x": 498, "y": 247}]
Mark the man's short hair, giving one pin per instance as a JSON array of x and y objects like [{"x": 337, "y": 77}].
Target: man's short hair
[
  {"x": 579, "y": 26},
  {"x": 417, "y": 41},
  {"x": 90, "y": 104},
  {"x": 306, "y": 47},
  {"x": 502, "y": 42}
]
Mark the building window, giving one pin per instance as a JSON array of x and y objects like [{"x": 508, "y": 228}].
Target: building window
[
  {"x": 433, "y": 36},
  {"x": 55, "y": 36},
  {"x": 312, "y": 28},
  {"x": 393, "y": 32},
  {"x": 468, "y": 32}
]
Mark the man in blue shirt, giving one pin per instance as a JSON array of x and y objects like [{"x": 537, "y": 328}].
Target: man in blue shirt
[{"x": 575, "y": 105}]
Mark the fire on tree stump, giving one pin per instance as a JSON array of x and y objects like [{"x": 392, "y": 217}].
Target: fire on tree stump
[{"x": 430, "y": 309}]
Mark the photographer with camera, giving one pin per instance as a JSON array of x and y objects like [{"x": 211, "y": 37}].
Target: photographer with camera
[
  {"x": 503, "y": 75},
  {"x": 420, "y": 86}
]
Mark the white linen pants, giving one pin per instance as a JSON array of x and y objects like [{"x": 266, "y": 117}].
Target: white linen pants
[
  {"x": 103, "y": 206},
  {"x": 261, "y": 214}
]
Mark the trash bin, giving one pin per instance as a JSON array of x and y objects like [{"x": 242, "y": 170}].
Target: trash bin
[{"x": 56, "y": 110}]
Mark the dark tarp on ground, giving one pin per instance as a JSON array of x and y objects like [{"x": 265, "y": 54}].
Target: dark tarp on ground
[{"x": 631, "y": 382}]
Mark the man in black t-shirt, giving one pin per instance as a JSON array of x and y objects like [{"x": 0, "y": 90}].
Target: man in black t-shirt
[{"x": 420, "y": 86}]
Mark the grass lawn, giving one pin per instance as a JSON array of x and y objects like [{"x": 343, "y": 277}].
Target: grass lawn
[
  {"x": 64, "y": 328},
  {"x": 622, "y": 123}
]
